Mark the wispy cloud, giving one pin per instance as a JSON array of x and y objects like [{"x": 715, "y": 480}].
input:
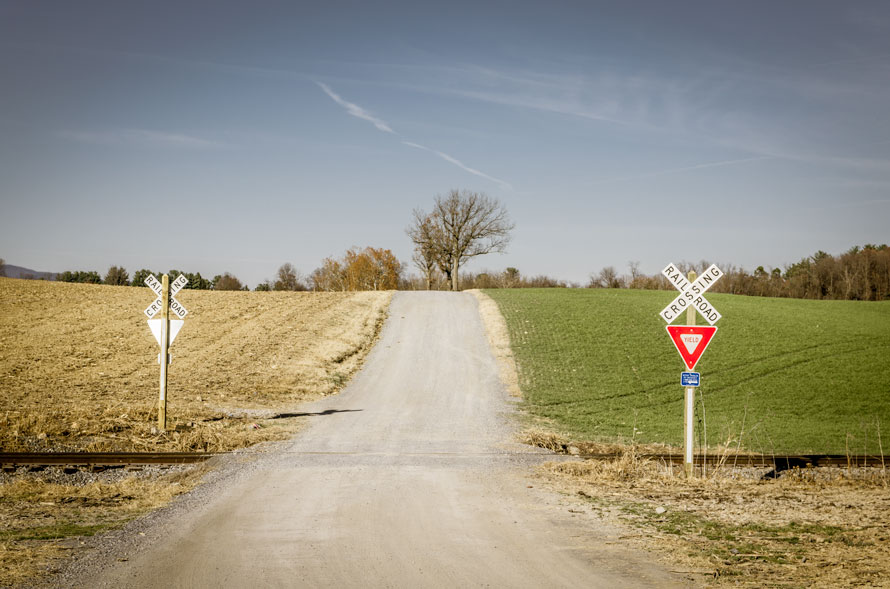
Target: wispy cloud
[
  {"x": 808, "y": 119},
  {"x": 142, "y": 137},
  {"x": 459, "y": 164},
  {"x": 355, "y": 110},
  {"x": 686, "y": 169}
]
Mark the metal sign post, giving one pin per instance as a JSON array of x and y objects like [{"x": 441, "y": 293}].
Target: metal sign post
[
  {"x": 165, "y": 329},
  {"x": 692, "y": 342}
]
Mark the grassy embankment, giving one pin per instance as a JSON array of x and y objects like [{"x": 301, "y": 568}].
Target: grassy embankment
[{"x": 781, "y": 375}]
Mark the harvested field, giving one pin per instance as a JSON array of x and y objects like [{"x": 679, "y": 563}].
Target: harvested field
[{"x": 79, "y": 368}]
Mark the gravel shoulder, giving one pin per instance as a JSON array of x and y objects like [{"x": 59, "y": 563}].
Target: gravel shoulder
[{"x": 410, "y": 477}]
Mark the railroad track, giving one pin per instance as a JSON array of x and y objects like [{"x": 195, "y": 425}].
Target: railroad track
[
  {"x": 778, "y": 462},
  {"x": 99, "y": 460},
  {"x": 95, "y": 460}
]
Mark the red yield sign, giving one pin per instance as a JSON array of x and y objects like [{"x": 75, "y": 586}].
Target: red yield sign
[{"x": 691, "y": 341}]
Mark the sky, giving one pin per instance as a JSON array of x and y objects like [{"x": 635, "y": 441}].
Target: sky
[{"x": 237, "y": 136}]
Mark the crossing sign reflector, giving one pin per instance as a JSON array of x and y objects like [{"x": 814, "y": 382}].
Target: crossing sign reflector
[{"x": 691, "y": 341}]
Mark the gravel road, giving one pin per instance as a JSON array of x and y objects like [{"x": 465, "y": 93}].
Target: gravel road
[{"x": 409, "y": 478}]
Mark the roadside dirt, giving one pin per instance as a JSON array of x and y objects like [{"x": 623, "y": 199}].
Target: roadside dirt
[
  {"x": 810, "y": 528},
  {"x": 49, "y": 515},
  {"x": 499, "y": 341}
]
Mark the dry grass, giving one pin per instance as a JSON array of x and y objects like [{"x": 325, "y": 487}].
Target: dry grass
[
  {"x": 43, "y": 522},
  {"x": 543, "y": 438},
  {"x": 499, "y": 341},
  {"x": 79, "y": 365},
  {"x": 814, "y": 528}
]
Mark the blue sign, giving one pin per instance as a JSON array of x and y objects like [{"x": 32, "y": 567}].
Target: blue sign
[{"x": 690, "y": 379}]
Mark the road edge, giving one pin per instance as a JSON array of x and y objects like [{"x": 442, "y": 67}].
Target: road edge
[{"x": 498, "y": 341}]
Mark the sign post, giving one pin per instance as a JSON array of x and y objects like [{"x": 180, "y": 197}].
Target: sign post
[
  {"x": 165, "y": 350},
  {"x": 689, "y": 412},
  {"x": 690, "y": 340},
  {"x": 165, "y": 329}
]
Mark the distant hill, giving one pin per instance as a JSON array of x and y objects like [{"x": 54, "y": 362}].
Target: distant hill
[{"x": 18, "y": 272}]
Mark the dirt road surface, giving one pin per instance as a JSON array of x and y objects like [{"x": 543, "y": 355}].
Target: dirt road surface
[{"x": 409, "y": 478}]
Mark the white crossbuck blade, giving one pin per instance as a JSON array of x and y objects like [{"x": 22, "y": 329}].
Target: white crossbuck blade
[
  {"x": 177, "y": 284},
  {"x": 691, "y": 294},
  {"x": 154, "y": 284},
  {"x": 176, "y": 308}
]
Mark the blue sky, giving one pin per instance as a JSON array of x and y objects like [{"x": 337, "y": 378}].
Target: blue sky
[{"x": 236, "y": 136}]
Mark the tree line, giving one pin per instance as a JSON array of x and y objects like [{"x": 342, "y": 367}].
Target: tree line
[
  {"x": 859, "y": 274},
  {"x": 463, "y": 225},
  {"x": 118, "y": 276}
]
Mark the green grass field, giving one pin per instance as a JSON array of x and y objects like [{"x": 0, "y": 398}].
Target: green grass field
[{"x": 780, "y": 375}]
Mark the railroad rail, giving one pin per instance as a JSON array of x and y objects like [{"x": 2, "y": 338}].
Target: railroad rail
[
  {"x": 99, "y": 460},
  {"x": 779, "y": 462}
]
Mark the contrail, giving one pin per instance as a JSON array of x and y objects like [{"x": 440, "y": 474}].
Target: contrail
[
  {"x": 459, "y": 164},
  {"x": 355, "y": 110}
]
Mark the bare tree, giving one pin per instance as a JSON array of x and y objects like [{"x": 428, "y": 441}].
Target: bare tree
[
  {"x": 607, "y": 278},
  {"x": 288, "y": 278},
  {"x": 2, "y": 267},
  {"x": 469, "y": 224},
  {"x": 427, "y": 237}
]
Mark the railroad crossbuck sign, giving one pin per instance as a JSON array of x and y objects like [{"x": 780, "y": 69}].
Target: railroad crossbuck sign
[
  {"x": 156, "y": 325},
  {"x": 691, "y": 294},
  {"x": 691, "y": 340},
  {"x": 165, "y": 329},
  {"x": 175, "y": 306}
]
